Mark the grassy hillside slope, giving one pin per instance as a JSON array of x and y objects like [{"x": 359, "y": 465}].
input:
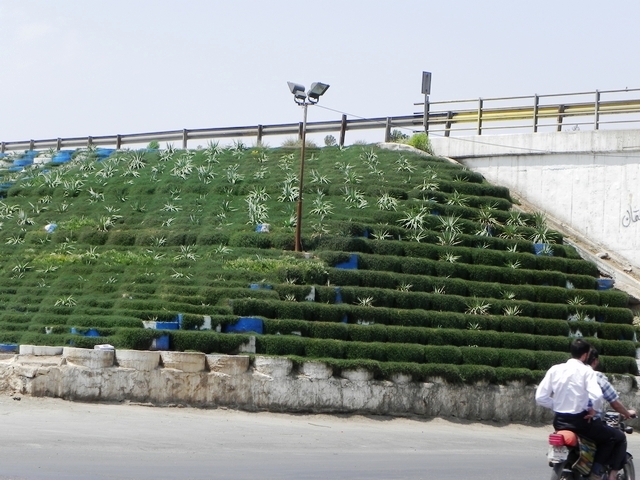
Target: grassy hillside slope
[{"x": 447, "y": 284}]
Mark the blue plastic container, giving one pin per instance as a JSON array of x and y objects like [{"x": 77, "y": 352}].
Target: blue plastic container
[
  {"x": 8, "y": 347},
  {"x": 92, "y": 332},
  {"x": 161, "y": 343},
  {"x": 542, "y": 249},
  {"x": 23, "y": 162},
  {"x": 62, "y": 156},
  {"x": 605, "y": 283},
  {"x": 104, "y": 152},
  {"x": 338, "y": 295},
  {"x": 352, "y": 264},
  {"x": 167, "y": 326},
  {"x": 245, "y": 324}
]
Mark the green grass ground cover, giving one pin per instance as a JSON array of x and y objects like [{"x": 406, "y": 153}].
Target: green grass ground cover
[{"x": 443, "y": 262}]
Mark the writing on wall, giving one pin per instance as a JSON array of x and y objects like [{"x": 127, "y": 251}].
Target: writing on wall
[{"x": 630, "y": 216}]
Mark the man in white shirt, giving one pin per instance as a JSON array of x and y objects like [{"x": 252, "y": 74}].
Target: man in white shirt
[
  {"x": 568, "y": 389},
  {"x": 611, "y": 396}
]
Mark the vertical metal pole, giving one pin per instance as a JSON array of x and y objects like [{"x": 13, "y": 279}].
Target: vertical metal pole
[
  {"x": 596, "y": 112},
  {"x": 89, "y": 141},
  {"x": 3, "y": 147},
  {"x": 387, "y": 131},
  {"x": 259, "y": 141},
  {"x": 59, "y": 144},
  {"x": 118, "y": 142},
  {"x": 32, "y": 145},
  {"x": 560, "y": 117},
  {"x": 447, "y": 125},
  {"x": 425, "y": 116},
  {"x": 480, "y": 103},
  {"x": 185, "y": 138},
  {"x": 536, "y": 101},
  {"x": 343, "y": 130},
  {"x": 297, "y": 241}
]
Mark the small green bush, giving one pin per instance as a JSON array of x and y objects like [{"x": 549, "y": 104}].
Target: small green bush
[
  {"x": 322, "y": 348},
  {"x": 280, "y": 345},
  {"x": 471, "y": 374},
  {"x": 421, "y": 142},
  {"x": 444, "y": 354},
  {"x": 545, "y": 360}
]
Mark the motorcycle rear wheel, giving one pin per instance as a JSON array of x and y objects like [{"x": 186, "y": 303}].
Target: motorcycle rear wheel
[
  {"x": 628, "y": 472},
  {"x": 557, "y": 474}
]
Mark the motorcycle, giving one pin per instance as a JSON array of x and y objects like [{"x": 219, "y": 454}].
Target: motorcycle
[{"x": 571, "y": 456}]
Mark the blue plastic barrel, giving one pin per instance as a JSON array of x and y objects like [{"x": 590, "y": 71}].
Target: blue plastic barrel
[
  {"x": 167, "y": 326},
  {"x": 8, "y": 347},
  {"x": 161, "y": 343},
  {"x": 352, "y": 264},
  {"x": 605, "y": 283},
  {"x": 245, "y": 324}
]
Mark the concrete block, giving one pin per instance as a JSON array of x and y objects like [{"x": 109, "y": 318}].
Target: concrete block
[
  {"x": 228, "y": 364},
  {"x": 316, "y": 370},
  {"x": 40, "y": 350},
  {"x": 401, "y": 378},
  {"x": 89, "y": 358},
  {"x": 623, "y": 384},
  {"x": 275, "y": 367},
  {"x": 247, "y": 347},
  {"x": 357, "y": 375},
  {"x": 189, "y": 362},
  {"x": 142, "y": 360}
]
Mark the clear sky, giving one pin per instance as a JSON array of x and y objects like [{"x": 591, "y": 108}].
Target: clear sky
[{"x": 101, "y": 67}]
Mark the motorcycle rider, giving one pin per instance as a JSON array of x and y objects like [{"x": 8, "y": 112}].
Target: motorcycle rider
[
  {"x": 567, "y": 389},
  {"x": 611, "y": 396}
]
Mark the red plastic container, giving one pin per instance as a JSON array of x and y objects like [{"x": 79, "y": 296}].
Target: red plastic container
[{"x": 556, "y": 439}]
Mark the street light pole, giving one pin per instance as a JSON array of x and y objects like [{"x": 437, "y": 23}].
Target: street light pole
[
  {"x": 303, "y": 99},
  {"x": 298, "y": 242}
]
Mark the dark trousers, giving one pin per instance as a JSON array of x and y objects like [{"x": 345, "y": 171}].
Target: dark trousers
[{"x": 612, "y": 443}]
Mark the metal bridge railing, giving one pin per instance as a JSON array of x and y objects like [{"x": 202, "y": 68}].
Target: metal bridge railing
[{"x": 557, "y": 112}]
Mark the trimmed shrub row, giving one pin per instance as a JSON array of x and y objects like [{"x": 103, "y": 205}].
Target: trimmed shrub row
[
  {"x": 441, "y": 336},
  {"x": 427, "y": 372},
  {"x": 390, "y": 307},
  {"x": 313, "y": 311},
  {"x": 480, "y": 273},
  {"x": 466, "y": 255},
  {"x": 467, "y": 288},
  {"x": 399, "y": 352},
  {"x": 454, "y": 303}
]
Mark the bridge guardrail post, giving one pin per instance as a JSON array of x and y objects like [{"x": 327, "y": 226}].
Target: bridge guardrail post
[
  {"x": 480, "y": 103},
  {"x": 596, "y": 112},
  {"x": 536, "y": 102},
  {"x": 259, "y": 139},
  {"x": 560, "y": 117},
  {"x": 343, "y": 129}
]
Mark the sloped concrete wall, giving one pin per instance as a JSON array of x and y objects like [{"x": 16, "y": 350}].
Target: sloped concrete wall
[
  {"x": 587, "y": 180},
  {"x": 272, "y": 384}
]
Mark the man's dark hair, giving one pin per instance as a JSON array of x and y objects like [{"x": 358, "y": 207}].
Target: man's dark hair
[
  {"x": 593, "y": 356},
  {"x": 579, "y": 347}
]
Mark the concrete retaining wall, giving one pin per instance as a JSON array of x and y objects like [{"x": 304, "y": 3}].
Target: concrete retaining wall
[
  {"x": 273, "y": 384},
  {"x": 586, "y": 180}
]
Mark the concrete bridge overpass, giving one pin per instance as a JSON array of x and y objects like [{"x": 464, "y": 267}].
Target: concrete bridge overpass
[{"x": 587, "y": 182}]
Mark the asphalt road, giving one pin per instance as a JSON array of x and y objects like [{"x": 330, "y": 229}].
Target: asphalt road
[{"x": 50, "y": 439}]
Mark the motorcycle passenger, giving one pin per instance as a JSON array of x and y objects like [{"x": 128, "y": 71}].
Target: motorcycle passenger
[
  {"x": 567, "y": 389},
  {"x": 611, "y": 396}
]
